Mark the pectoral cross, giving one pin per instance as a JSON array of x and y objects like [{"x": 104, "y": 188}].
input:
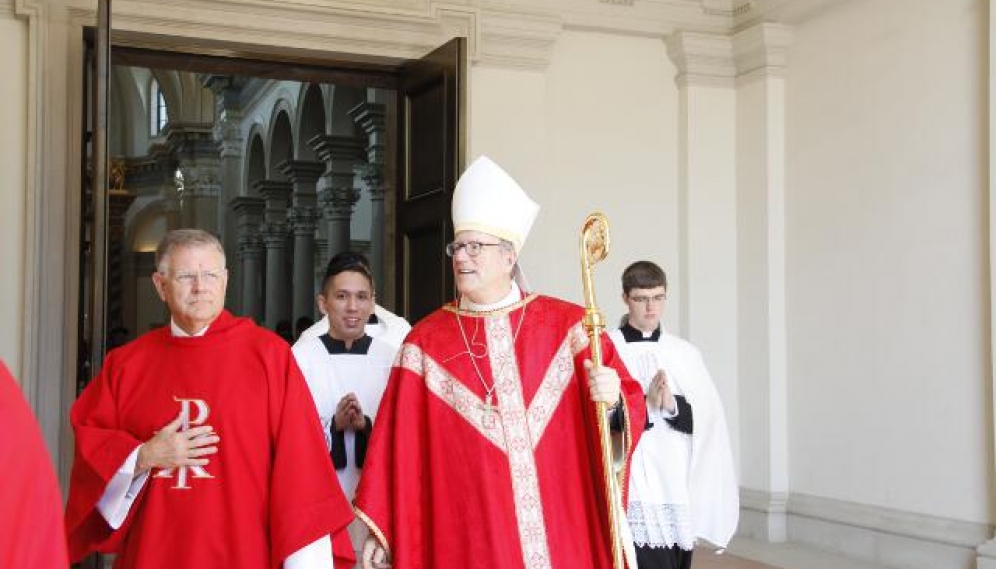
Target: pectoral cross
[{"x": 488, "y": 419}]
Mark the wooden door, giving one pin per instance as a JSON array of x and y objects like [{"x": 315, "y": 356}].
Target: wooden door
[{"x": 431, "y": 103}]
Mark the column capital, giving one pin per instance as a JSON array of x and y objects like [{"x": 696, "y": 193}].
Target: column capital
[
  {"x": 334, "y": 148},
  {"x": 373, "y": 177},
  {"x": 250, "y": 246},
  {"x": 370, "y": 117},
  {"x": 338, "y": 203},
  {"x": 230, "y": 147},
  {"x": 146, "y": 171},
  {"x": 277, "y": 195},
  {"x": 301, "y": 171},
  {"x": 304, "y": 220},
  {"x": 226, "y": 87},
  {"x": 275, "y": 192},
  {"x": 762, "y": 50},
  {"x": 248, "y": 208},
  {"x": 702, "y": 59},
  {"x": 274, "y": 234},
  {"x": 226, "y": 125},
  {"x": 278, "y": 190},
  {"x": 187, "y": 140}
]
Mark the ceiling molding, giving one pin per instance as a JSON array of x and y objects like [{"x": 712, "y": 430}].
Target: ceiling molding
[
  {"x": 789, "y": 12},
  {"x": 381, "y": 34},
  {"x": 514, "y": 33},
  {"x": 726, "y": 8}
]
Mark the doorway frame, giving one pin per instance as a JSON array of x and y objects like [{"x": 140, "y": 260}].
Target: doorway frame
[{"x": 54, "y": 129}]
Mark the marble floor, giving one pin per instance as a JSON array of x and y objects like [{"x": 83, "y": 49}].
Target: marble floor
[
  {"x": 704, "y": 560},
  {"x": 749, "y": 554}
]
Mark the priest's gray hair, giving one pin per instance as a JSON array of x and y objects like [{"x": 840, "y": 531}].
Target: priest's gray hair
[{"x": 185, "y": 238}]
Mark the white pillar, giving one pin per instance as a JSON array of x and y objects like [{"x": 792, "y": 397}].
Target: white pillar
[
  {"x": 705, "y": 290},
  {"x": 760, "y": 53}
]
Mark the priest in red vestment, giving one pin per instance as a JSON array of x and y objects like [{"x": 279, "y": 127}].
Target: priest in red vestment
[
  {"x": 198, "y": 444},
  {"x": 31, "y": 533},
  {"x": 486, "y": 451}
]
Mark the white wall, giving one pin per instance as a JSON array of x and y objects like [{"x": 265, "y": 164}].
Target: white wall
[
  {"x": 13, "y": 164},
  {"x": 887, "y": 286},
  {"x": 588, "y": 134}
]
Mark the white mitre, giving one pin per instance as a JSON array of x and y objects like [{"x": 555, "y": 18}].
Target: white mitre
[{"x": 488, "y": 200}]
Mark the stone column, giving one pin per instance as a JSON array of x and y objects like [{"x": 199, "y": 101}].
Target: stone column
[
  {"x": 370, "y": 117},
  {"x": 161, "y": 173},
  {"x": 118, "y": 203},
  {"x": 339, "y": 196},
  {"x": 275, "y": 234},
  {"x": 228, "y": 145},
  {"x": 194, "y": 148},
  {"x": 321, "y": 256},
  {"x": 303, "y": 222},
  {"x": 248, "y": 217}
]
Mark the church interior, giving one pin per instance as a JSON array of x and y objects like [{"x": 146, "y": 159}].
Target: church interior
[
  {"x": 815, "y": 176},
  {"x": 288, "y": 173}
]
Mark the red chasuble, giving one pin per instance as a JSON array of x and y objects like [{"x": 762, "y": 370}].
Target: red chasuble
[
  {"x": 31, "y": 533},
  {"x": 269, "y": 491},
  {"x": 451, "y": 482}
]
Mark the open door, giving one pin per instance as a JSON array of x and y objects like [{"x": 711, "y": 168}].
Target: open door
[
  {"x": 93, "y": 226},
  {"x": 431, "y": 103},
  {"x": 93, "y": 229}
]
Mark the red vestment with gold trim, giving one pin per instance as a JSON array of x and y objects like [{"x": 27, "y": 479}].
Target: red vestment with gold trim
[{"x": 451, "y": 482}]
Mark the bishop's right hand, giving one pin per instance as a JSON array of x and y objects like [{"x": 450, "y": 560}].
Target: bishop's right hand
[
  {"x": 170, "y": 447},
  {"x": 374, "y": 556}
]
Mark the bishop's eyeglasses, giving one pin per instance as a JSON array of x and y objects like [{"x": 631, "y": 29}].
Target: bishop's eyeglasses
[{"x": 473, "y": 248}]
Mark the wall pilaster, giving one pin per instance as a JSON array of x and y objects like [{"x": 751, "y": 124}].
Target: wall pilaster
[
  {"x": 705, "y": 291},
  {"x": 760, "y": 53}
]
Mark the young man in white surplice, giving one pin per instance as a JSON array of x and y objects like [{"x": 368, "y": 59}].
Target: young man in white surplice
[
  {"x": 347, "y": 369},
  {"x": 682, "y": 486}
]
